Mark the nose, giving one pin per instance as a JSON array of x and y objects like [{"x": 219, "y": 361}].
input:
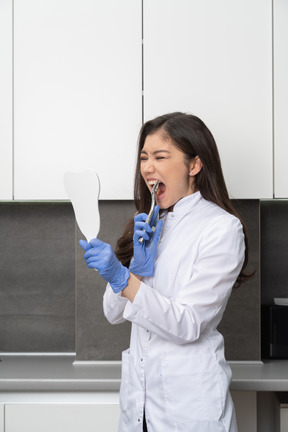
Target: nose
[{"x": 148, "y": 167}]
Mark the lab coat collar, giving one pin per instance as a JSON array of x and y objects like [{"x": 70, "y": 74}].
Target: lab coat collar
[{"x": 188, "y": 203}]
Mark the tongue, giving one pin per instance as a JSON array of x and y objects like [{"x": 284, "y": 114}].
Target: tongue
[{"x": 161, "y": 189}]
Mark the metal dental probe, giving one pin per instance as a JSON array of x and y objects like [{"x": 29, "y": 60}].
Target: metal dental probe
[{"x": 153, "y": 197}]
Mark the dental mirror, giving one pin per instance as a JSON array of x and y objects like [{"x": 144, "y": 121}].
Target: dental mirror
[{"x": 83, "y": 189}]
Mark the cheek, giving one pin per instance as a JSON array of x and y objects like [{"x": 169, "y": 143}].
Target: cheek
[
  {"x": 181, "y": 184},
  {"x": 181, "y": 176}
]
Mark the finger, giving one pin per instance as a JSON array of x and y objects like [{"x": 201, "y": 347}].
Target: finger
[
  {"x": 84, "y": 244},
  {"x": 140, "y": 217},
  {"x": 96, "y": 247},
  {"x": 92, "y": 262},
  {"x": 143, "y": 226},
  {"x": 157, "y": 232},
  {"x": 93, "y": 252},
  {"x": 99, "y": 259},
  {"x": 140, "y": 233},
  {"x": 93, "y": 265},
  {"x": 96, "y": 242},
  {"x": 155, "y": 215}
]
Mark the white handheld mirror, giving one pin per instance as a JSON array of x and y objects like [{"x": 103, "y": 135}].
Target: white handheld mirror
[{"x": 83, "y": 189}]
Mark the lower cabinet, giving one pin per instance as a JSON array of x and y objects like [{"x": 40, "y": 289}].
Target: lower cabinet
[
  {"x": 92, "y": 413},
  {"x": 245, "y": 403},
  {"x": 61, "y": 417},
  {"x": 1, "y": 418},
  {"x": 284, "y": 419}
]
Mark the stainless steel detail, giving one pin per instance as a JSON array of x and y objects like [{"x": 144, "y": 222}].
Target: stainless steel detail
[{"x": 153, "y": 202}]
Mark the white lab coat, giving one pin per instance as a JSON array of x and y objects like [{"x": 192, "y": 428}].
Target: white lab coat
[{"x": 175, "y": 365}]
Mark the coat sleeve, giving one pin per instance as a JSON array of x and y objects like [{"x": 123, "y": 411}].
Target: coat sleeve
[
  {"x": 205, "y": 290},
  {"x": 113, "y": 306}
]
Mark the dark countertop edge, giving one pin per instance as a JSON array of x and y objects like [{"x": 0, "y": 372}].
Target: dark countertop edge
[{"x": 57, "y": 386}]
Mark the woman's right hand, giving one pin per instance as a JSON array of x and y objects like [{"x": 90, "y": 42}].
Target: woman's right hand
[{"x": 142, "y": 263}]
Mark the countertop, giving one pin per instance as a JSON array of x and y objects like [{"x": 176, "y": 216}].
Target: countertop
[
  {"x": 57, "y": 373},
  {"x": 60, "y": 373}
]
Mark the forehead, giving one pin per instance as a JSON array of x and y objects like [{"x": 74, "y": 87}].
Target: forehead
[{"x": 156, "y": 142}]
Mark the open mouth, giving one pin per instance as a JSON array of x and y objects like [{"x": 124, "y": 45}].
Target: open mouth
[{"x": 161, "y": 188}]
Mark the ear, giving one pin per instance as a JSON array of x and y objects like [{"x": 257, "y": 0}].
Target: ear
[{"x": 195, "y": 166}]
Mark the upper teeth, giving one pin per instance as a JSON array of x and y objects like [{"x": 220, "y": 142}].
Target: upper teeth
[{"x": 152, "y": 182}]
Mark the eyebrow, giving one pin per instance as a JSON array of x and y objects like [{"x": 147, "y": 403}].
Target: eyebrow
[{"x": 155, "y": 152}]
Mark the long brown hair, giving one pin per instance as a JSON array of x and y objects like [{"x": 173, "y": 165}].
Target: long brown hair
[{"x": 190, "y": 135}]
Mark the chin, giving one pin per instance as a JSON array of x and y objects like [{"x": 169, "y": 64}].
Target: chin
[{"x": 165, "y": 205}]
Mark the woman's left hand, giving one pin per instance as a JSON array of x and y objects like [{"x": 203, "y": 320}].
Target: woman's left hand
[
  {"x": 100, "y": 256},
  {"x": 142, "y": 263}
]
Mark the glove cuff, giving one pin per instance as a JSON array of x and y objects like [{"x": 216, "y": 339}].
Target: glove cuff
[
  {"x": 121, "y": 280},
  {"x": 140, "y": 271}
]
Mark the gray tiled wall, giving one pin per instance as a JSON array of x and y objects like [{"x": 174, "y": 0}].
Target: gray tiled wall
[
  {"x": 96, "y": 339},
  {"x": 37, "y": 302},
  {"x": 43, "y": 275},
  {"x": 241, "y": 322}
]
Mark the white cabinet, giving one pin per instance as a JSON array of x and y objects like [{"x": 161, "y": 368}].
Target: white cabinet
[
  {"x": 214, "y": 59},
  {"x": 71, "y": 89},
  {"x": 1, "y": 418},
  {"x": 6, "y": 147},
  {"x": 77, "y": 94},
  {"x": 281, "y": 97},
  {"x": 91, "y": 417},
  {"x": 61, "y": 418}
]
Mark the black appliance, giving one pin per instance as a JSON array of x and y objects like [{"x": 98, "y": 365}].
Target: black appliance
[{"x": 274, "y": 332}]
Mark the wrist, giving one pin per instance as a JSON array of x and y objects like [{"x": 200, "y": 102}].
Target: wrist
[
  {"x": 137, "y": 276},
  {"x": 132, "y": 288},
  {"x": 120, "y": 281}
]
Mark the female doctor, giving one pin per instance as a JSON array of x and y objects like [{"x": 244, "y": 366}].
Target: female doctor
[{"x": 175, "y": 285}]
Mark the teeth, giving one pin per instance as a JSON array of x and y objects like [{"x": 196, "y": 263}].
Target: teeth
[{"x": 152, "y": 182}]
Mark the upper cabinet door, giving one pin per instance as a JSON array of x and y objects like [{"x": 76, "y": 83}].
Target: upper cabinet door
[
  {"x": 214, "y": 59},
  {"x": 281, "y": 97},
  {"x": 6, "y": 146},
  {"x": 77, "y": 93}
]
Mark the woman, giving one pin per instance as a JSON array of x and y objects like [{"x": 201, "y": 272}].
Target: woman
[{"x": 174, "y": 286}]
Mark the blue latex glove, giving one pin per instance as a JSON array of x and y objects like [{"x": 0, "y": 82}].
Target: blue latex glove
[
  {"x": 144, "y": 256},
  {"x": 100, "y": 256}
]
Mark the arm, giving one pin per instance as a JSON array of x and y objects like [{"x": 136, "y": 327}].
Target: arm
[
  {"x": 114, "y": 304},
  {"x": 203, "y": 294}
]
